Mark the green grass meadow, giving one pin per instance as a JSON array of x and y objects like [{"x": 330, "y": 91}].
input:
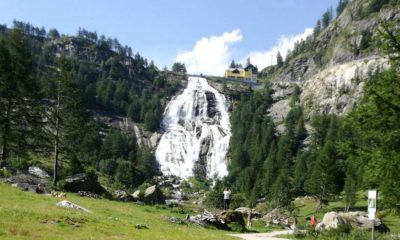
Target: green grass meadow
[{"x": 25, "y": 215}]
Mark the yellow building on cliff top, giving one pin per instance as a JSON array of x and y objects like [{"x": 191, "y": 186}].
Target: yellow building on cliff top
[{"x": 248, "y": 73}]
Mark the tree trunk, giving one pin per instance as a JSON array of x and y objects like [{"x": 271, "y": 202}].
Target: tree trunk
[
  {"x": 56, "y": 137},
  {"x": 6, "y": 132}
]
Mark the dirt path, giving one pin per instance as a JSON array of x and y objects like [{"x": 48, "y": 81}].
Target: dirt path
[{"x": 263, "y": 236}]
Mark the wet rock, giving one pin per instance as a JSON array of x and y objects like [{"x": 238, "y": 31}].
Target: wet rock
[
  {"x": 68, "y": 204},
  {"x": 211, "y": 104}
]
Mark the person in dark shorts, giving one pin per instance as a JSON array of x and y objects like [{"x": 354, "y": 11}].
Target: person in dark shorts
[{"x": 227, "y": 198}]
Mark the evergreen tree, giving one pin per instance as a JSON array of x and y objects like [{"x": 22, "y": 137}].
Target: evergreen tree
[
  {"x": 282, "y": 190},
  {"x": 19, "y": 93},
  {"x": 67, "y": 121},
  {"x": 279, "y": 60},
  {"x": 233, "y": 64},
  {"x": 321, "y": 183},
  {"x": 341, "y": 6},
  {"x": 300, "y": 173},
  {"x": 327, "y": 18},
  {"x": 317, "y": 29}
]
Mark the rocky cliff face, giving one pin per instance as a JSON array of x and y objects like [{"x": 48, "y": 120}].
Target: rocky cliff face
[{"x": 332, "y": 75}]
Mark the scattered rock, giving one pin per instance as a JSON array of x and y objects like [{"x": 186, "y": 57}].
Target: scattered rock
[
  {"x": 68, "y": 204},
  {"x": 83, "y": 182},
  {"x": 122, "y": 195},
  {"x": 58, "y": 194},
  {"x": 136, "y": 195},
  {"x": 173, "y": 202},
  {"x": 332, "y": 220},
  {"x": 88, "y": 194},
  {"x": 177, "y": 220},
  {"x": 153, "y": 195},
  {"x": 38, "y": 172},
  {"x": 279, "y": 217}
]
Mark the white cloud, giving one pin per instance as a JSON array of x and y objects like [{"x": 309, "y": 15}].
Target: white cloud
[
  {"x": 210, "y": 55},
  {"x": 267, "y": 58}
]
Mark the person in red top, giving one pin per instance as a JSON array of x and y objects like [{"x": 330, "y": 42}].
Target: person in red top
[{"x": 313, "y": 221}]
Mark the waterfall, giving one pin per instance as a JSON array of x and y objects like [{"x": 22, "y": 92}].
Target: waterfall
[{"x": 197, "y": 132}]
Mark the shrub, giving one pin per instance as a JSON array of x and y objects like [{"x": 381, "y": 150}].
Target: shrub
[{"x": 238, "y": 200}]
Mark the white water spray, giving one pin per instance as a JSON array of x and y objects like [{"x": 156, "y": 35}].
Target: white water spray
[{"x": 197, "y": 132}]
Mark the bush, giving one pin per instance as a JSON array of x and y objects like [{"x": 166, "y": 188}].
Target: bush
[
  {"x": 19, "y": 163},
  {"x": 238, "y": 200},
  {"x": 4, "y": 173}
]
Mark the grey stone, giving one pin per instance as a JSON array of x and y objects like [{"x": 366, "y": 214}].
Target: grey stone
[
  {"x": 136, "y": 195},
  {"x": 331, "y": 220},
  {"x": 38, "y": 172},
  {"x": 68, "y": 204}
]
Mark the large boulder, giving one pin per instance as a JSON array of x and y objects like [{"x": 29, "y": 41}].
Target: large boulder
[
  {"x": 234, "y": 220},
  {"x": 207, "y": 219},
  {"x": 28, "y": 183},
  {"x": 83, "y": 182},
  {"x": 136, "y": 195},
  {"x": 38, "y": 172},
  {"x": 332, "y": 220},
  {"x": 153, "y": 195},
  {"x": 245, "y": 211},
  {"x": 360, "y": 219}
]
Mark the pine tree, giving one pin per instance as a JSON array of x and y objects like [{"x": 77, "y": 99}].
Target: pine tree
[
  {"x": 279, "y": 60},
  {"x": 19, "y": 93},
  {"x": 68, "y": 127},
  {"x": 317, "y": 29},
  {"x": 233, "y": 64},
  {"x": 300, "y": 173},
  {"x": 282, "y": 190},
  {"x": 321, "y": 183}
]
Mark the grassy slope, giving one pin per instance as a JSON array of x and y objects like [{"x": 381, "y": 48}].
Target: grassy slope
[{"x": 23, "y": 215}]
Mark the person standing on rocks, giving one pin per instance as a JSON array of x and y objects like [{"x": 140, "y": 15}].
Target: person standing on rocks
[{"x": 227, "y": 198}]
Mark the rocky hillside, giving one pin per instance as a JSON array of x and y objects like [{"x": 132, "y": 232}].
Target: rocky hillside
[{"x": 332, "y": 71}]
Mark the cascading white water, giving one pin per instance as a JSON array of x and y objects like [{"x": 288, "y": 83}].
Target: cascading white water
[{"x": 197, "y": 131}]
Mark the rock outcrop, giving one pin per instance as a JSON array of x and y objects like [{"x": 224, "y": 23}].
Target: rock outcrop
[
  {"x": 28, "y": 183},
  {"x": 83, "y": 182}
]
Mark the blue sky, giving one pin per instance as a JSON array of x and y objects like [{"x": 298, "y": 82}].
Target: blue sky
[{"x": 170, "y": 30}]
